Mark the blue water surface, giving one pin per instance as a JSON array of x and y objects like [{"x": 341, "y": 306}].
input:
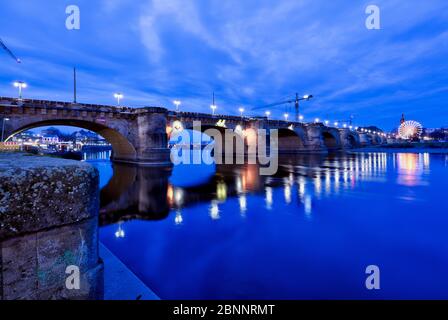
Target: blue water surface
[{"x": 309, "y": 232}]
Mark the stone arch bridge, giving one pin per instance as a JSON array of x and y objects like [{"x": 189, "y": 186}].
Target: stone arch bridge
[{"x": 140, "y": 135}]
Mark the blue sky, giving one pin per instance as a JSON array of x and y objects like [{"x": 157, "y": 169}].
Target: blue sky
[{"x": 251, "y": 53}]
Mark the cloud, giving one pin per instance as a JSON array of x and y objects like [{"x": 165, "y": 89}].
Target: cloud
[
  {"x": 150, "y": 38},
  {"x": 250, "y": 53}
]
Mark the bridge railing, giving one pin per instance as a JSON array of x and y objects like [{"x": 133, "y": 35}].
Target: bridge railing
[
  {"x": 188, "y": 114},
  {"x": 48, "y": 104}
]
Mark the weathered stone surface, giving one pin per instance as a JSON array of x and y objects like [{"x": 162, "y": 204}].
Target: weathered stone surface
[
  {"x": 19, "y": 267},
  {"x": 349, "y": 139},
  {"x": 42, "y": 192},
  {"x": 33, "y": 266},
  {"x": 314, "y": 142},
  {"x": 365, "y": 139},
  {"x": 49, "y": 221}
]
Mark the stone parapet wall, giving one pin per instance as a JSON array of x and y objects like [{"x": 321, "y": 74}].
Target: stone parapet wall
[{"x": 48, "y": 222}]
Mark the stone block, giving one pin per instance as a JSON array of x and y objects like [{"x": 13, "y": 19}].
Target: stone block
[
  {"x": 40, "y": 192},
  {"x": 49, "y": 221}
]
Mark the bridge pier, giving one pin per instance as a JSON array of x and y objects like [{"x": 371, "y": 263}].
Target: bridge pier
[
  {"x": 149, "y": 138},
  {"x": 322, "y": 139},
  {"x": 349, "y": 139},
  {"x": 367, "y": 139}
]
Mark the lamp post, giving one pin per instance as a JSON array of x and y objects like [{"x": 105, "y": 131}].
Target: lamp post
[
  {"x": 317, "y": 120},
  {"x": 177, "y": 104},
  {"x": 3, "y": 127},
  {"x": 213, "y": 107},
  {"x": 241, "y": 110},
  {"x": 21, "y": 85},
  {"x": 286, "y": 116},
  {"x": 267, "y": 113},
  {"x": 118, "y": 96},
  {"x": 300, "y": 118}
]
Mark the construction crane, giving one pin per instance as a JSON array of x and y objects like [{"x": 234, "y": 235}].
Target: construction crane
[
  {"x": 9, "y": 52},
  {"x": 347, "y": 121},
  {"x": 294, "y": 100}
]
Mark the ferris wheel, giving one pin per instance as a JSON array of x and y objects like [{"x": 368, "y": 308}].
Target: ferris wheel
[{"x": 410, "y": 129}]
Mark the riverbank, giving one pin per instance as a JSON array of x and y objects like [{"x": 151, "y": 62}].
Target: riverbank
[{"x": 119, "y": 282}]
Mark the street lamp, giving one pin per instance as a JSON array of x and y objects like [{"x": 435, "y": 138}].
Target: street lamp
[
  {"x": 3, "y": 127},
  {"x": 267, "y": 113},
  {"x": 327, "y": 122},
  {"x": 177, "y": 103},
  {"x": 241, "y": 110},
  {"x": 336, "y": 124},
  {"x": 120, "y": 232},
  {"x": 300, "y": 118},
  {"x": 286, "y": 116},
  {"x": 316, "y": 120},
  {"x": 213, "y": 107},
  {"x": 118, "y": 96},
  {"x": 21, "y": 85}
]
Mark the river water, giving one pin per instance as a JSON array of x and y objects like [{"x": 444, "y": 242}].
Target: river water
[{"x": 309, "y": 232}]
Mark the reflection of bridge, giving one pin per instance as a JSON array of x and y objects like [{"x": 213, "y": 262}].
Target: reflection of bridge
[
  {"x": 137, "y": 192},
  {"x": 145, "y": 193},
  {"x": 139, "y": 135}
]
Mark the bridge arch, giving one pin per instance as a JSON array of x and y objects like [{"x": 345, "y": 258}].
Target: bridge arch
[
  {"x": 236, "y": 139},
  {"x": 331, "y": 139},
  {"x": 376, "y": 139},
  {"x": 291, "y": 140},
  {"x": 122, "y": 148},
  {"x": 352, "y": 140}
]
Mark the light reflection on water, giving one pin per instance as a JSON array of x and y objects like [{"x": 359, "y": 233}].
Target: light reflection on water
[
  {"x": 411, "y": 167},
  {"x": 101, "y": 155},
  {"x": 307, "y": 232}
]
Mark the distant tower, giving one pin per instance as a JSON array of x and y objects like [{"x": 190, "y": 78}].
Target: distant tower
[{"x": 402, "y": 119}]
